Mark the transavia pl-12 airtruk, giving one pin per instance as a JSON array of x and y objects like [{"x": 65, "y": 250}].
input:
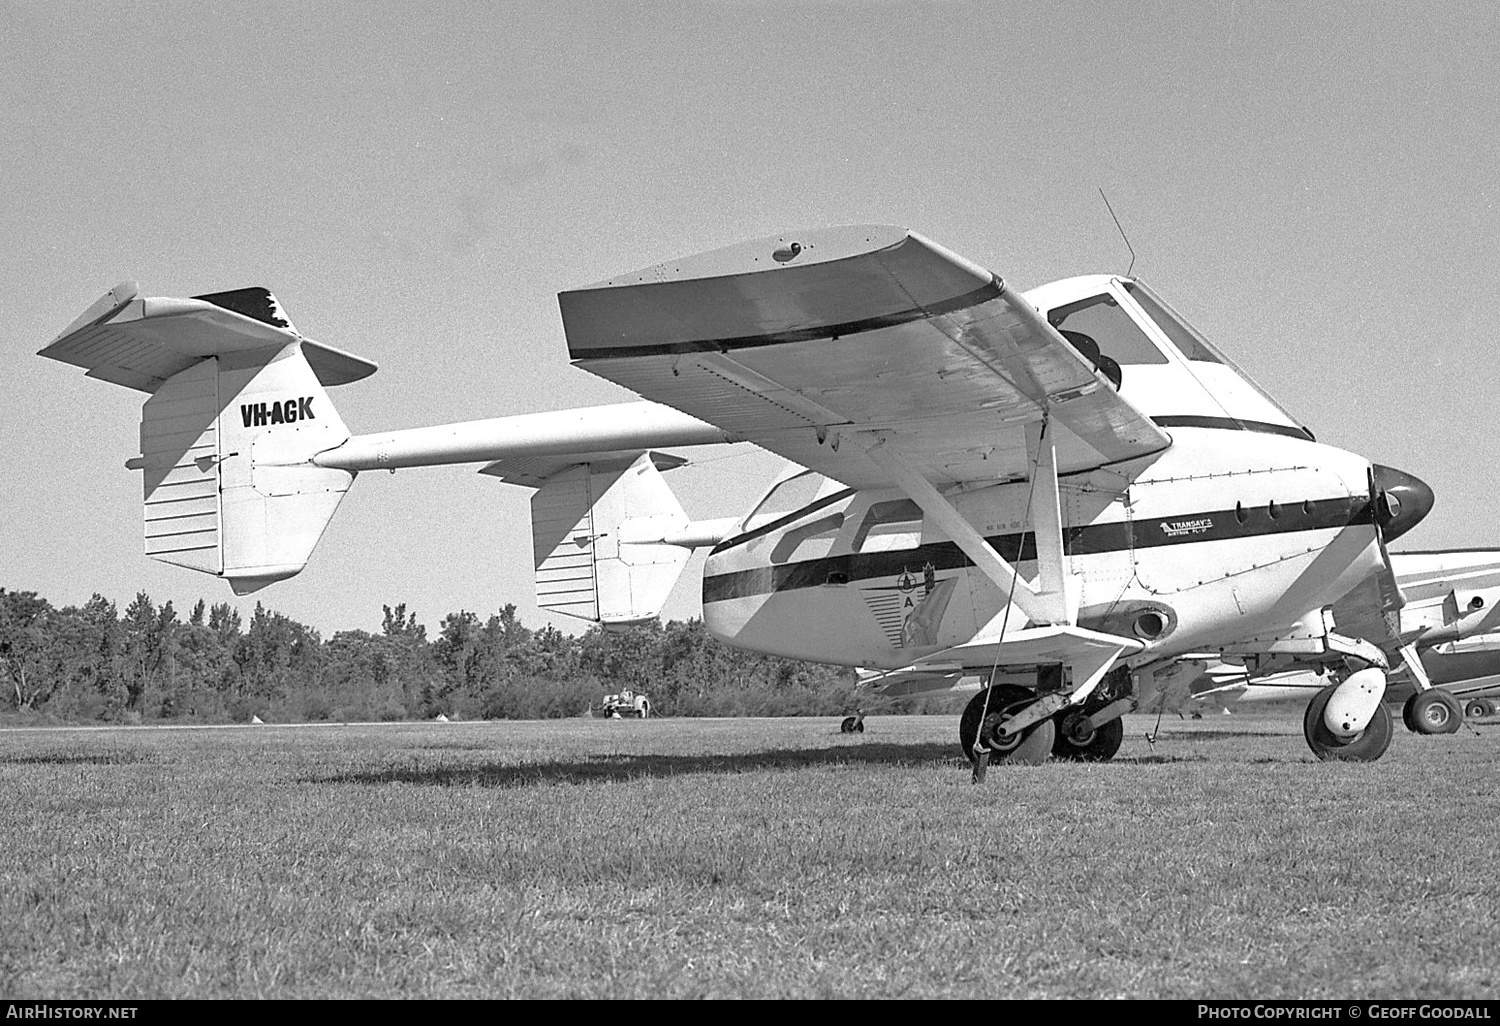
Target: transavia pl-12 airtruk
[{"x": 1063, "y": 491}]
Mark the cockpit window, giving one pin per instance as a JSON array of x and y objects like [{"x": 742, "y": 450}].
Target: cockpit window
[{"x": 1109, "y": 327}]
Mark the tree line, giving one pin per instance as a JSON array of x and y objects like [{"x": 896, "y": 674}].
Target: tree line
[{"x": 91, "y": 663}]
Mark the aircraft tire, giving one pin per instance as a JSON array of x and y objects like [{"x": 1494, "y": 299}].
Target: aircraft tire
[
  {"x": 1406, "y": 715},
  {"x": 847, "y": 727},
  {"x": 1029, "y": 748},
  {"x": 1435, "y": 712},
  {"x": 1098, "y": 745},
  {"x": 1477, "y": 709},
  {"x": 1370, "y": 745}
]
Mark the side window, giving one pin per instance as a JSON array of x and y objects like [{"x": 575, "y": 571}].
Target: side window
[
  {"x": 810, "y": 541},
  {"x": 787, "y": 497},
  {"x": 895, "y": 524},
  {"x": 1109, "y": 327}
]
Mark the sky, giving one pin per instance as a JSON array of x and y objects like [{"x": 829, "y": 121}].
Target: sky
[{"x": 1312, "y": 184}]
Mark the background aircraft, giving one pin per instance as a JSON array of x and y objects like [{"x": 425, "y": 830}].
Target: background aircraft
[
  {"x": 1450, "y": 616},
  {"x": 1072, "y": 485}
]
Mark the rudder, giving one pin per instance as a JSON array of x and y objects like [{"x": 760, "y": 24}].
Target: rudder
[{"x": 229, "y": 487}]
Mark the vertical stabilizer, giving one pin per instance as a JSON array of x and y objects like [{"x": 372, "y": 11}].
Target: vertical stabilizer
[
  {"x": 599, "y": 535},
  {"x": 228, "y": 484}
]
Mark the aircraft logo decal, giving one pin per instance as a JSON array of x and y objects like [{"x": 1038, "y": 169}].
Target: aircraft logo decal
[
  {"x": 1178, "y": 528},
  {"x": 906, "y": 582},
  {"x": 892, "y": 606}
]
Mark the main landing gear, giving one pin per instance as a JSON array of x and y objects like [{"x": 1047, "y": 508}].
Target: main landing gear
[
  {"x": 1091, "y": 732},
  {"x": 1078, "y": 739},
  {"x": 979, "y": 728}
]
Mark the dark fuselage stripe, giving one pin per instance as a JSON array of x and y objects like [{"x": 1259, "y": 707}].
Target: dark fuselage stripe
[
  {"x": 983, "y": 294},
  {"x": 1214, "y": 525}
]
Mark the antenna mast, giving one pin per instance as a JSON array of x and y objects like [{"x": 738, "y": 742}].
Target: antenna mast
[{"x": 1121, "y": 230}]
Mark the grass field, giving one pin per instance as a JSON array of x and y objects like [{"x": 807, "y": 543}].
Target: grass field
[{"x": 755, "y": 858}]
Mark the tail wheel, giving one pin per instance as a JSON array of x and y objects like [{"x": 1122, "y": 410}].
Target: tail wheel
[
  {"x": 1433, "y": 712},
  {"x": 1077, "y": 740},
  {"x": 1028, "y": 747},
  {"x": 1369, "y": 745},
  {"x": 852, "y": 725}
]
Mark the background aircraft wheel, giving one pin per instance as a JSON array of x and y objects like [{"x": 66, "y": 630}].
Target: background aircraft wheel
[
  {"x": 847, "y": 727},
  {"x": 1435, "y": 712},
  {"x": 1076, "y": 741},
  {"x": 1477, "y": 709},
  {"x": 1027, "y": 748},
  {"x": 1406, "y": 716},
  {"x": 1328, "y": 746}
]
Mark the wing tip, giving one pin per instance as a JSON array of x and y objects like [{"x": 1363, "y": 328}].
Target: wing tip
[{"x": 102, "y": 309}]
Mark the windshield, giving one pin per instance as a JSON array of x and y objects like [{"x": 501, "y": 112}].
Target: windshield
[{"x": 1189, "y": 341}]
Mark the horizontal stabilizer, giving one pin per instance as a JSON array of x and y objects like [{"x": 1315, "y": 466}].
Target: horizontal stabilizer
[
  {"x": 141, "y": 342},
  {"x": 535, "y": 471}
]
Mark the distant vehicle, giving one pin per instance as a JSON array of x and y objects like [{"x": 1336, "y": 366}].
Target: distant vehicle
[{"x": 627, "y": 705}]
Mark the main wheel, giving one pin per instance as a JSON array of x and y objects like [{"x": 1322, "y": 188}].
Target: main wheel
[
  {"x": 1028, "y": 748},
  {"x": 1076, "y": 740},
  {"x": 1369, "y": 745},
  {"x": 1435, "y": 712},
  {"x": 1477, "y": 708},
  {"x": 847, "y": 727}
]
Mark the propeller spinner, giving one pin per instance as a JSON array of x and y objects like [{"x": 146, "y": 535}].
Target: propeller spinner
[{"x": 1401, "y": 501}]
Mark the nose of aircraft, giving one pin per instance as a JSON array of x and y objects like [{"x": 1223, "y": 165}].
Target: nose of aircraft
[{"x": 1404, "y": 501}]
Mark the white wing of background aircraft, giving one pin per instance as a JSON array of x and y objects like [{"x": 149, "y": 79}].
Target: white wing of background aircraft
[
  {"x": 1069, "y": 487},
  {"x": 1450, "y": 616}
]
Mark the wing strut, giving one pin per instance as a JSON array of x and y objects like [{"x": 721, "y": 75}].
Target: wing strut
[
  {"x": 1046, "y": 601},
  {"x": 1046, "y": 524},
  {"x": 1414, "y": 666}
]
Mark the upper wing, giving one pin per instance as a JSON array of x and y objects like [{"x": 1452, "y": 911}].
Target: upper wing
[
  {"x": 799, "y": 341},
  {"x": 128, "y": 339},
  {"x": 1426, "y": 598}
]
